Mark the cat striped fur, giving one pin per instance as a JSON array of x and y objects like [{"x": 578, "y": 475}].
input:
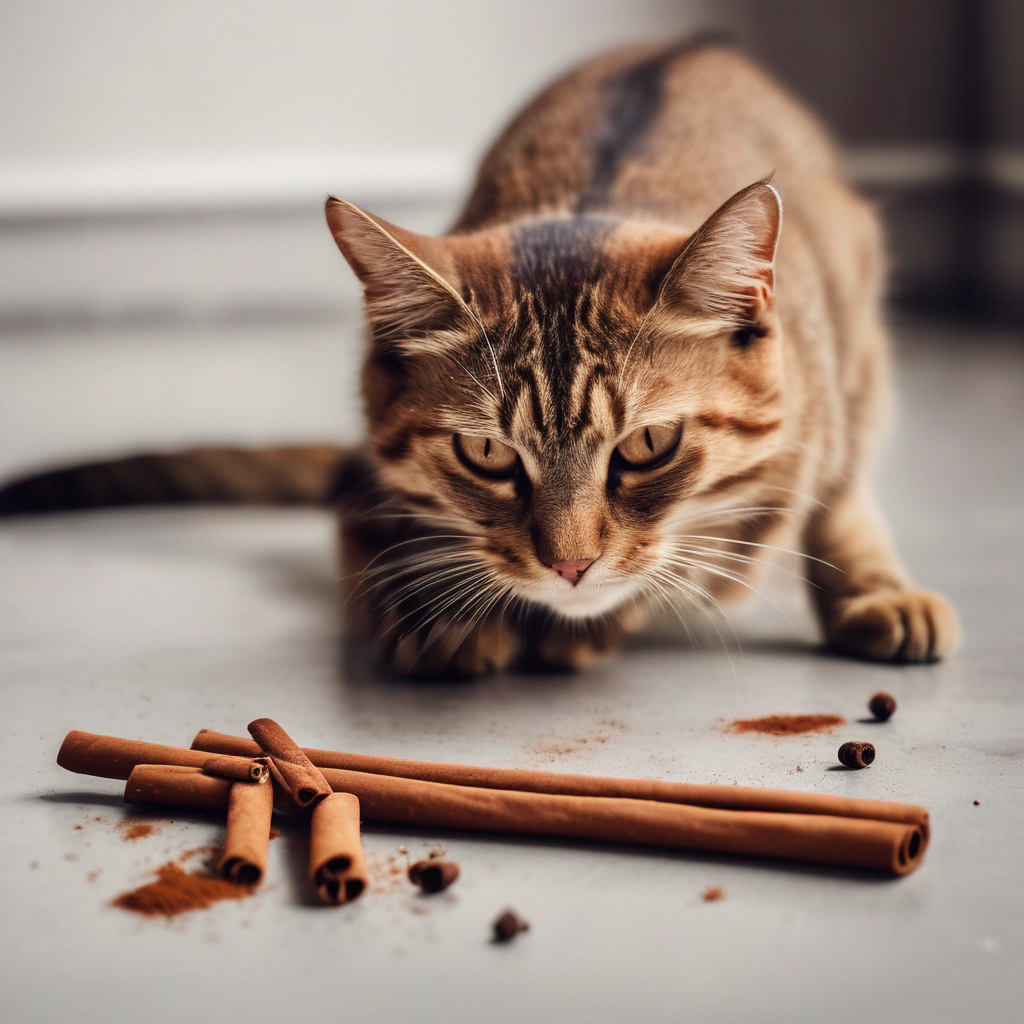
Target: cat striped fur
[{"x": 621, "y": 381}]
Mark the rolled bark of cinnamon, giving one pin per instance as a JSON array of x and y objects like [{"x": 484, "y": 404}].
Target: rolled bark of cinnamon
[
  {"x": 250, "y": 806},
  {"x": 337, "y": 867},
  {"x": 734, "y": 798},
  {"x": 891, "y": 847},
  {"x": 177, "y": 786},
  {"x": 111, "y": 757},
  {"x": 256, "y": 770},
  {"x": 288, "y": 764}
]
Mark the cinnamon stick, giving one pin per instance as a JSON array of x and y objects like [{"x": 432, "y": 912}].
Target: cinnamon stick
[
  {"x": 886, "y": 846},
  {"x": 250, "y": 806},
  {"x": 256, "y": 770},
  {"x": 735, "y": 798},
  {"x": 111, "y": 757},
  {"x": 337, "y": 867},
  {"x": 288, "y": 764},
  {"x": 177, "y": 786}
]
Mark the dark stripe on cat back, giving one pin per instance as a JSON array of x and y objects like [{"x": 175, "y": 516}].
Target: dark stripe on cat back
[{"x": 632, "y": 100}]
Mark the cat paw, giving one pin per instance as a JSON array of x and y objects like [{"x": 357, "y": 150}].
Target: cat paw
[
  {"x": 446, "y": 648},
  {"x": 565, "y": 652},
  {"x": 895, "y": 625}
]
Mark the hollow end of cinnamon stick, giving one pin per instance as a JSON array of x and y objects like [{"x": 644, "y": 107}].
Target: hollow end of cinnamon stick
[
  {"x": 911, "y": 850},
  {"x": 236, "y": 869},
  {"x": 340, "y": 890},
  {"x": 247, "y": 835},
  {"x": 337, "y": 867}
]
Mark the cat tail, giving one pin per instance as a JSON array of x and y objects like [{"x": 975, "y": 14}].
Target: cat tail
[{"x": 299, "y": 475}]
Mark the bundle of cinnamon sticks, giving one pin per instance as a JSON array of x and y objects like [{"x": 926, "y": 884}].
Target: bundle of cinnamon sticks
[{"x": 863, "y": 834}]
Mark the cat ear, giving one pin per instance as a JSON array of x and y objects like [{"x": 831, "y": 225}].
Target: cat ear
[
  {"x": 410, "y": 281},
  {"x": 726, "y": 271}
]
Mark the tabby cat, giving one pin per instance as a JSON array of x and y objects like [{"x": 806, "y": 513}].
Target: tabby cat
[{"x": 617, "y": 383}]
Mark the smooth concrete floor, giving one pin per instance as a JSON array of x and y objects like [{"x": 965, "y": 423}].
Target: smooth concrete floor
[{"x": 153, "y": 624}]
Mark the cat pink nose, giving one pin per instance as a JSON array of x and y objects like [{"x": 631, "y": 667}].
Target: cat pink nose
[{"x": 572, "y": 571}]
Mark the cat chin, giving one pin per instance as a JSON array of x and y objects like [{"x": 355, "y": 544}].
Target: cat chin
[{"x": 586, "y": 604}]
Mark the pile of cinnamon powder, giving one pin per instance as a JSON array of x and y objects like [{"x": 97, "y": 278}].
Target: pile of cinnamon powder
[
  {"x": 787, "y": 725},
  {"x": 175, "y": 892}
]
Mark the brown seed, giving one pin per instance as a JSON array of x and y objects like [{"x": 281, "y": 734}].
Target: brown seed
[
  {"x": 977, "y": 802},
  {"x": 856, "y": 755},
  {"x": 433, "y": 875},
  {"x": 509, "y": 925},
  {"x": 882, "y": 706}
]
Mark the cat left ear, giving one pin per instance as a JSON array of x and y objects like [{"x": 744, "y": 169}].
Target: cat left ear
[
  {"x": 726, "y": 270},
  {"x": 409, "y": 280}
]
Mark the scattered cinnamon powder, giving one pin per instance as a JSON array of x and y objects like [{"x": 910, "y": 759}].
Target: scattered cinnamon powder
[
  {"x": 131, "y": 829},
  {"x": 387, "y": 872},
  {"x": 787, "y": 725},
  {"x": 175, "y": 892},
  {"x": 713, "y": 893}
]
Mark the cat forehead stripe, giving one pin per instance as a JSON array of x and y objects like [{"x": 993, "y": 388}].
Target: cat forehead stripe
[{"x": 556, "y": 265}]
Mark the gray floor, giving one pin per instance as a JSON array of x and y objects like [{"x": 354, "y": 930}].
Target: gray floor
[{"x": 154, "y": 624}]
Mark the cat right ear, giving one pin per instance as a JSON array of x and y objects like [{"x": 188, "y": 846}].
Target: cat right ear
[
  {"x": 410, "y": 281},
  {"x": 726, "y": 270}
]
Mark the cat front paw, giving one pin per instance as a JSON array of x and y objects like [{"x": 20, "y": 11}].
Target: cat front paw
[
  {"x": 447, "y": 648},
  {"x": 895, "y": 625}
]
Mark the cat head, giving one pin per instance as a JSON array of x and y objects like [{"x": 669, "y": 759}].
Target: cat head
[{"x": 561, "y": 394}]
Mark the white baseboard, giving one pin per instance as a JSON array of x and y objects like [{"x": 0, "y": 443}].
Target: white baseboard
[
  {"x": 47, "y": 189},
  {"x": 51, "y": 189}
]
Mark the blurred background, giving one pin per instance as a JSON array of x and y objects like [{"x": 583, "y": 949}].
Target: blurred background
[{"x": 165, "y": 273}]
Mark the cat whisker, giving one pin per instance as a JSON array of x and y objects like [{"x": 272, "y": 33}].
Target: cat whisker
[
  {"x": 718, "y": 571},
  {"x": 410, "y": 565},
  {"x": 744, "y": 559},
  {"x": 412, "y": 588},
  {"x": 438, "y": 604},
  {"x": 755, "y": 544},
  {"x": 706, "y": 605}
]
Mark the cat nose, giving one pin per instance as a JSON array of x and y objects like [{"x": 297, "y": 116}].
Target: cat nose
[{"x": 572, "y": 571}]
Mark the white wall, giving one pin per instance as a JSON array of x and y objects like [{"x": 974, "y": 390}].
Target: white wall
[{"x": 131, "y": 99}]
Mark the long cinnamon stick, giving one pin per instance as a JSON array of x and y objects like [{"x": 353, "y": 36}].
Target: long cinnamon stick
[
  {"x": 288, "y": 764},
  {"x": 110, "y": 757},
  {"x": 337, "y": 867},
  {"x": 735, "y": 798},
  {"x": 886, "y": 846},
  {"x": 250, "y": 806}
]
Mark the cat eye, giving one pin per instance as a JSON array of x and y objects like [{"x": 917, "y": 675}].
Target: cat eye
[
  {"x": 486, "y": 456},
  {"x": 649, "y": 447}
]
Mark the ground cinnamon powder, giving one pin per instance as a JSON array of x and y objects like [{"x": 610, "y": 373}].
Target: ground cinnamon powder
[
  {"x": 787, "y": 725},
  {"x": 134, "y": 830},
  {"x": 175, "y": 892}
]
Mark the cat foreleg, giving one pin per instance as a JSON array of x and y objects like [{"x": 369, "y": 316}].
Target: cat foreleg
[{"x": 864, "y": 598}]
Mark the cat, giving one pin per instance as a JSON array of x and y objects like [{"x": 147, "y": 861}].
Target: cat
[{"x": 620, "y": 381}]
